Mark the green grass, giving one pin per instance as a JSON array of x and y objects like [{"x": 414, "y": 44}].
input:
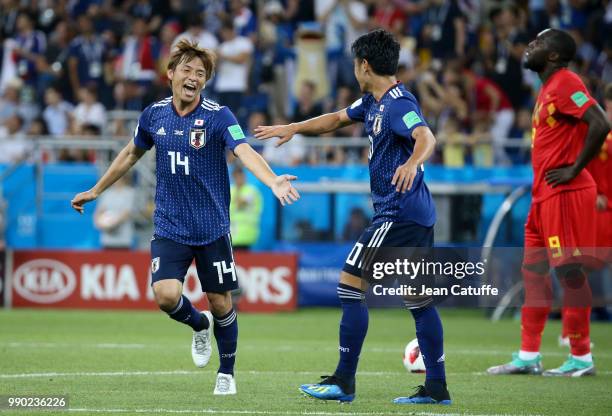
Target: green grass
[{"x": 277, "y": 353}]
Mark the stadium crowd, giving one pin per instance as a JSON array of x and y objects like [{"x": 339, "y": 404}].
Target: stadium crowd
[{"x": 67, "y": 63}]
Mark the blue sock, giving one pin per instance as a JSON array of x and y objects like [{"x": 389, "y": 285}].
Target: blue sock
[
  {"x": 226, "y": 334},
  {"x": 431, "y": 341},
  {"x": 353, "y": 330},
  {"x": 185, "y": 312}
]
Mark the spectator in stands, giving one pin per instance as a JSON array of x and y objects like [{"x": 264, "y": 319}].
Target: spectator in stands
[
  {"x": 290, "y": 154},
  {"x": 355, "y": 225},
  {"x": 444, "y": 32},
  {"x": 234, "y": 54},
  {"x": 275, "y": 48},
  {"x": 389, "y": 15},
  {"x": 57, "y": 113},
  {"x": 343, "y": 22},
  {"x": 489, "y": 105},
  {"x": 301, "y": 11},
  {"x": 454, "y": 141},
  {"x": 10, "y": 100},
  {"x": 88, "y": 58},
  {"x": 482, "y": 147},
  {"x": 246, "y": 207},
  {"x": 196, "y": 32},
  {"x": 245, "y": 21},
  {"x": 38, "y": 128},
  {"x": 9, "y": 11},
  {"x": 31, "y": 45},
  {"x": 504, "y": 66},
  {"x": 307, "y": 107},
  {"x": 53, "y": 66},
  {"x": 114, "y": 215},
  {"x": 168, "y": 33},
  {"x": 521, "y": 132},
  {"x": 256, "y": 118},
  {"x": 88, "y": 111},
  {"x": 14, "y": 146},
  {"x": 138, "y": 59}
]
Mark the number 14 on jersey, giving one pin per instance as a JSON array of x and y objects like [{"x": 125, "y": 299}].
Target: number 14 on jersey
[{"x": 175, "y": 159}]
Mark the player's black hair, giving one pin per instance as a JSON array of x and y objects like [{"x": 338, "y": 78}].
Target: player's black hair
[
  {"x": 380, "y": 49},
  {"x": 563, "y": 43}
]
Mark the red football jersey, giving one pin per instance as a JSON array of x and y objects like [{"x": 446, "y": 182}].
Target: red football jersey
[
  {"x": 600, "y": 169},
  {"x": 558, "y": 132}
]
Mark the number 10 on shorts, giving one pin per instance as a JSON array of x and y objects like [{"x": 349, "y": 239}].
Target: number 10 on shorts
[{"x": 223, "y": 268}]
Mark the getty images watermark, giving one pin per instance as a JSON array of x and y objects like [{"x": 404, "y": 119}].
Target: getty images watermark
[{"x": 423, "y": 278}]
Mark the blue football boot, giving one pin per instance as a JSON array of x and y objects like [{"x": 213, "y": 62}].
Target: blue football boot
[
  {"x": 330, "y": 388},
  {"x": 424, "y": 396}
]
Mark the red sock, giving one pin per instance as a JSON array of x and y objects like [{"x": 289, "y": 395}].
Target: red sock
[
  {"x": 577, "y": 324},
  {"x": 564, "y": 333},
  {"x": 577, "y": 298},
  {"x": 538, "y": 298}
]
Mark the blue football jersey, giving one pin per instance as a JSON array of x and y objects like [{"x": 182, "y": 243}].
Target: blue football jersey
[
  {"x": 193, "y": 194},
  {"x": 389, "y": 124}
]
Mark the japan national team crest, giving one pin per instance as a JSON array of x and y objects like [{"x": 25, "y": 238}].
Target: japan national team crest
[
  {"x": 197, "y": 138},
  {"x": 377, "y": 124}
]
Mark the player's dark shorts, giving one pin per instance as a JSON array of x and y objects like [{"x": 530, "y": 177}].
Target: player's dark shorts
[
  {"x": 214, "y": 263},
  {"x": 386, "y": 234}
]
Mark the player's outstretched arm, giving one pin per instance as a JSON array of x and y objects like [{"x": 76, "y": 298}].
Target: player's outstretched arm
[
  {"x": 280, "y": 184},
  {"x": 424, "y": 145},
  {"x": 316, "y": 125},
  {"x": 128, "y": 156},
  {"x": 599, "y": 127}
]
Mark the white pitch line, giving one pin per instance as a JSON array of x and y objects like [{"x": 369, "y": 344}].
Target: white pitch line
[
  {"x": 275, "y": 412},
  {"x": 70, "y": 345},
  {"x": 282, "y": 348},
  {"x": 204, "y": 372},
  {"x": 183, "y": 372}
]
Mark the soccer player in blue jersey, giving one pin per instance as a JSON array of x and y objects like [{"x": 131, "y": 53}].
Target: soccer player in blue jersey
[
  {"x": 404, "y": 213},
  {"x": 191, "y": 135}
]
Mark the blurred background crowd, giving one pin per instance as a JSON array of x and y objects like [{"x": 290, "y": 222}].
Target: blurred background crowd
[{"x": 67, "y": 65}]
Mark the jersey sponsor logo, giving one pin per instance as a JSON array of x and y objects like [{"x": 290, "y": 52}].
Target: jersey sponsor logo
[
  {"x": 155, "y": 265},
  {"x": 377, "y": 127},
  {"x": 579, "y": 98},
  {"x": 197, "y": 138},
  {"x": 44, "y": 281},
  {"x": 199, "y": 123},
  {"x": 411, "y": 119},
  {"x": 161, "y": 132},
  {"x": 236, "y": 132},
  {"x": 356, "y": 103},
  {"x": 178, "y": 132}
]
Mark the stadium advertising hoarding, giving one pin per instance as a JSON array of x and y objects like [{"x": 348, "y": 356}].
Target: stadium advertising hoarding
[{"x": 121, "y": 280}]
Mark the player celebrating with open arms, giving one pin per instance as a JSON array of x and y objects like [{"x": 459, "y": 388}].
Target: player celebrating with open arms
[
  {"x": 404, "y": 212},
  {"x": 569, "y": 128},
  {"x": 190, "y": 134}
]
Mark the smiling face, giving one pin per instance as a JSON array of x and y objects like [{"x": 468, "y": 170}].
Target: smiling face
[{"x": 188, "y": 80}]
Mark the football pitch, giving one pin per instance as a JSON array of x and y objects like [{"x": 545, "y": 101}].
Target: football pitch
[{"x": 135, "y": 363}]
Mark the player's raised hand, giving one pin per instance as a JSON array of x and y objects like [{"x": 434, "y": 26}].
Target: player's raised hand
[
  {"x": 284, "y": 132},
  {"x": 404, "y": 176},
  {"x": 284, "y": 191},
  {"x": 81, "y": 199},
  {"x": 559, "y": 176}
]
